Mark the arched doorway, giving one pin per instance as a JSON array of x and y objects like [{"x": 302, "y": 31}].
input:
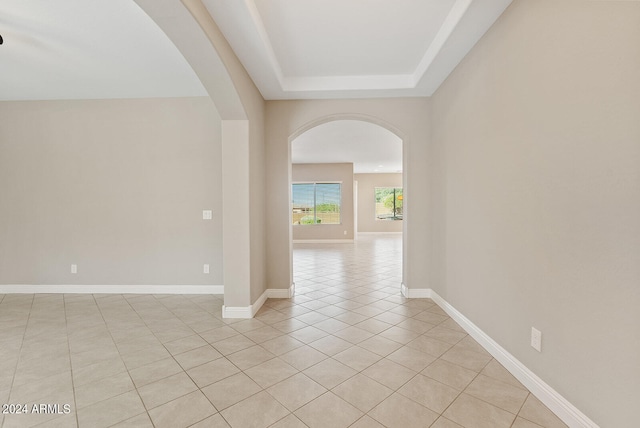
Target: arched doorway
[{"x": 357, "y": 160}]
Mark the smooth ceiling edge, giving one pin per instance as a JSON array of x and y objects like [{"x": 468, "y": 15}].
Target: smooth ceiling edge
[{"x": 359, "y": 82}]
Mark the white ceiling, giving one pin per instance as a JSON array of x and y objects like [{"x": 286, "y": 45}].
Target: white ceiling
[
  {"x": 297, "y": 49},
  {"x": 88, "y": 49},
  {"x": 371, "y": 148},
  {"x": 293, "y": 49}
]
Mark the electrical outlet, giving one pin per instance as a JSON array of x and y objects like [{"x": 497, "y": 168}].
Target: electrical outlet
[
  {"x": 74, "y": 268},
  {"x": 205, "y": 268},
  {"x": 345, "y": 232},
  {"x": 536, "y": 339},
  {"x": 207, "y": 214}
]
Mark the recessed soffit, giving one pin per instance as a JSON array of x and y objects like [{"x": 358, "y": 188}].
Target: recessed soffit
[{"x": 296, "y": 49}]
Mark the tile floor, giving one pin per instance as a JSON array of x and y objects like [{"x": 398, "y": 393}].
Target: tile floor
[{"x": 346, "y": 351}]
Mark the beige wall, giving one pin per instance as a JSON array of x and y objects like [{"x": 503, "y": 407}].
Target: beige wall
[
  {"x": 536, "y": 191},
  {"x": 327, "y": 172},
  {"x": 407, "y": 117},
  {"x": 244, "y": 168},
  {"x": 114, "y": 186},
  {"x": 367, "y": 184}
]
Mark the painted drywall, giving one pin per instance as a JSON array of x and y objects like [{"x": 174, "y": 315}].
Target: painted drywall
[
  {"x": 367, "y": 184},
  {"x": 114, "y": 186},
  {"x": 406, "y": 117},
  {"x": 536, "y": 196},
  {"x": 327, "y": 172},
  {"x": 245, "y": 175}
]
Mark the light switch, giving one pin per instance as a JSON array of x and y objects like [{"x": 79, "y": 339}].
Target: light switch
[{"x": 207, "y": 214}]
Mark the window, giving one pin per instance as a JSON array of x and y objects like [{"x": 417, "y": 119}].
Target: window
[
  {"x": 316, "y": 203},
  {"x": 388, "y": 203}
]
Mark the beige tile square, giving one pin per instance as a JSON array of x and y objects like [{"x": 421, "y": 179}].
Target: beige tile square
[
  {"x": 467, "y": 359},
  {"x": 155, "y": 371},
  {"x": 357, "y": 358},
  {"x": 411, "y": 358},
  {"x": 445, "y": 423},
  {"x": 368, "y": 310},
  {"x": 533, "y": 410},
  {"x": 469, "y": 411},
  {"x": 495, "y": 370},
  {"x": 185, "y": 344},
  {"x": 263, "y": 334},
  {"x": 331, "y": 325},
  {"x": 103, "y": 389},
  {"x": 281, "y": 345},
  {"x": 296, "y": 391},
  {"x": 233, "y": 344},
  {"x": 258, "y": 411},
  {"x": 196, "y": 357},
  {"x": 430, "y": 345},
  {"x": 308, "y": 334},
  {"x": 330, "y": 373},
  {"x": 450, "y": 374},
  {"x": 331, "y": 345},
  {"x": 51, "y": 386},
  {"x": 400, "y": 335},
  {"x": 523, "y": 423},
  {"x": 331, "y": 311},
  {"x": 289, "y": 325},
  {"x": 503, "y": 395},
  {"x": 415, "y": 325},
  {"x": 312, "y": 317},
  {"x": 140, "y": 421},
  {"x": 250, "y": 357},
  {"x": 328, "y": 410},
  {"x": 272, "y": 317},
  {"x": 353, "y": 334},
  {"x": 231, "y": 390},
  {"x": 373, "y": 325},
  {"x": 303, "y": 357},
  {"x": 451, "y": 324},
  {"x": 429, "y": 393},
  {"x": 367, "y": 422},
  {"x": 390, "y": 374},
  {"x": 101, "y": 414},
  {"x": 430, "y": 317},
  {"x": 291, "y": 421},
  {"x": 218, "y": 334},
  {"x": 350, "y": 318},
  {"x": 144, "y": 357},
  {"x": 446, "y": 334},
  {"x": 165, "y": 390},
  {"x": 248, "y": 325},
  {"x": 379, "y": 345},
  {"x": 182, "y": 412},
  {"x": 211, "y": 372},
  {"x": 271, "y": 372},
  {"x": 97, "y": 371},
  {"x": 468, "y": 343},
  {"x": 362, "y": 392},
  {"x": 215, "y": 421},
  {"x": 398, "y": 411}
]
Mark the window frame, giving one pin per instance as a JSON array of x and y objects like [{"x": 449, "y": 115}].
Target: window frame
[
  {"x": 315, "y": 204},
  {"x": 394, "y": 215}
]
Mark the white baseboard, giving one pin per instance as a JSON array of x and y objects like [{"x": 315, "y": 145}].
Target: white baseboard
[
  {"x": 415, "y": 293},
  {"x": 323, "y": 241},
  {"x": 545, "y": 393},
  {"x": 109, "y": 289},
  {"x": 252, "y": 310}
]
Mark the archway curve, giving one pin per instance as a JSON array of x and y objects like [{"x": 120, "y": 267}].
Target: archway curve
[
  {"x": 321, "y": 120},
  {"x": 348, "y": 116}
]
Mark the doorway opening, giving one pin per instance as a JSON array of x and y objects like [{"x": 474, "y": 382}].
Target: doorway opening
[{"x": 346, "y": 207}]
